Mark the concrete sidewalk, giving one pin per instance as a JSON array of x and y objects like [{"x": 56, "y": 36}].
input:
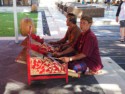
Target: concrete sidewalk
[
  {"x": 103, "y": 28},
  {"x": 56, "y": 20}
]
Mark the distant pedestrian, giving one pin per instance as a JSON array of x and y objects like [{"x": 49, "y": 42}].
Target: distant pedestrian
[
  {"x": 108, "y": 4},
  {"x": 120, "y": 16}
]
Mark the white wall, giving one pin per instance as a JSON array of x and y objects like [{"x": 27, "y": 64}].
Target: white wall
[
  {"x": 52, "y": 2},
  {"x": 44, "y": 3}
]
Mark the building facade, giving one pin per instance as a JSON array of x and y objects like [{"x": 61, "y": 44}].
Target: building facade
[
  {"x": 19, "y": 2},
  {"x": 46, "y": 2}
]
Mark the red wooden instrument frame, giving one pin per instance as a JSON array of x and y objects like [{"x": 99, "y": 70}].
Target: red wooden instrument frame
[{"x": 41, "y": 77}]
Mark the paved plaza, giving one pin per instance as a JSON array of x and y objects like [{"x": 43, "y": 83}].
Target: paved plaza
[{"x": 13, "y": 76}]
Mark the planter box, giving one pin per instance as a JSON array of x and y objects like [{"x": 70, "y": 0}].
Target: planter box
[
  {"x": 87, "y": 10},
  {"x": 78, "y": 9}
]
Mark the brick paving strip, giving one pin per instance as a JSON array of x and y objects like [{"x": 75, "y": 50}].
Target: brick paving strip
[{"x": 46, "y": 30}]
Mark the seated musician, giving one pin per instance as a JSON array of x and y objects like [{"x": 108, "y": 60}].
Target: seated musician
[
  {"x": 86, "y": 50},
  {"x": 71, "y": 35}
]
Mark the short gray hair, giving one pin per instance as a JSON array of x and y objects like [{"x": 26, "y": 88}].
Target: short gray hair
[{"x": 87, "y": 18}]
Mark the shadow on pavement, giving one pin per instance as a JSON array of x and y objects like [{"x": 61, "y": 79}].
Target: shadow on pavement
[{"x": 13, "y": 77}]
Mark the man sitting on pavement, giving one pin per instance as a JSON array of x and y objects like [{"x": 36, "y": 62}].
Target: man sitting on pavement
[{"x": 71, "y": 35}]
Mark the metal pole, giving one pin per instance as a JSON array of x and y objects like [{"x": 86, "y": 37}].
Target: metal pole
[
  {"x": 0, "y": 3},
  {"x": 15, "y": 21}
]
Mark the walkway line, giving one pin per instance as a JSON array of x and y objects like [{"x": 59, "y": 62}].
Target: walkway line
[
  {"x": 46, "y": 30},
  {"x": 39, "y": 25},
  {"x": 112, "y": 78},
  {"x": 59, "y": 21}
]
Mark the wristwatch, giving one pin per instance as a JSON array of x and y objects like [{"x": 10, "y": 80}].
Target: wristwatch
[{"x": 70, "y": 58}]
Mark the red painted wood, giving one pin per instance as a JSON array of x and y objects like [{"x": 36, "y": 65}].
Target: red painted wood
[{"x": 41, "y": 77}]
